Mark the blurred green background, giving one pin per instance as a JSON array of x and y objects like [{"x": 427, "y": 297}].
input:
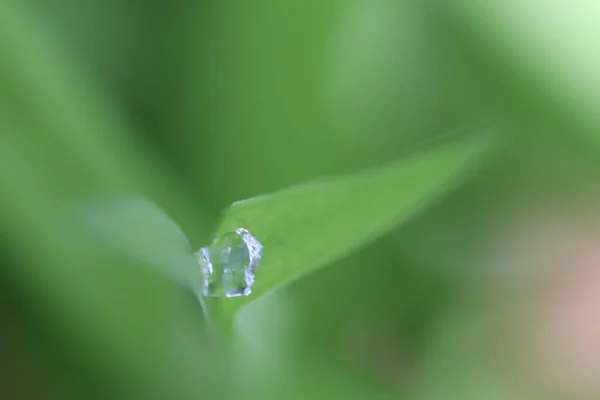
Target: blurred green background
[{"x": 197, "y": 104}]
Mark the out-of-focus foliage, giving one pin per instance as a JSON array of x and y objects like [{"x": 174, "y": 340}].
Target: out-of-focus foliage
[{"x": 193, "y": 105}]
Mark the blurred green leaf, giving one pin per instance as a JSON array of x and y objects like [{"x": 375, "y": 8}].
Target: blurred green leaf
[
  {"x": 56, "y": 103},
  {"x": 137, "y": 228},
  {"x": 552, "y": 46},
  {"x": 308, "y": 226},
  {"x": 62, "y": 138}
]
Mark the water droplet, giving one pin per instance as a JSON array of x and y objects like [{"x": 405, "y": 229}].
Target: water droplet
[{"x": 229, "y": 263}]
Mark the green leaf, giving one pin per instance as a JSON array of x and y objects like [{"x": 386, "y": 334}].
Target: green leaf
[
  {"x": 137, "y": 228},
  {"x": 309, "y": 226},
  {"x": 61, "y": 139}
]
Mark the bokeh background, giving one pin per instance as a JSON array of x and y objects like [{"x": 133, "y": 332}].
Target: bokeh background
[{"x": 492, "y": 293}]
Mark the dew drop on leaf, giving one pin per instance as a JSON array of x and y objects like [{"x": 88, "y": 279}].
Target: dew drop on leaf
[{"x": 229, "y": 263}]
